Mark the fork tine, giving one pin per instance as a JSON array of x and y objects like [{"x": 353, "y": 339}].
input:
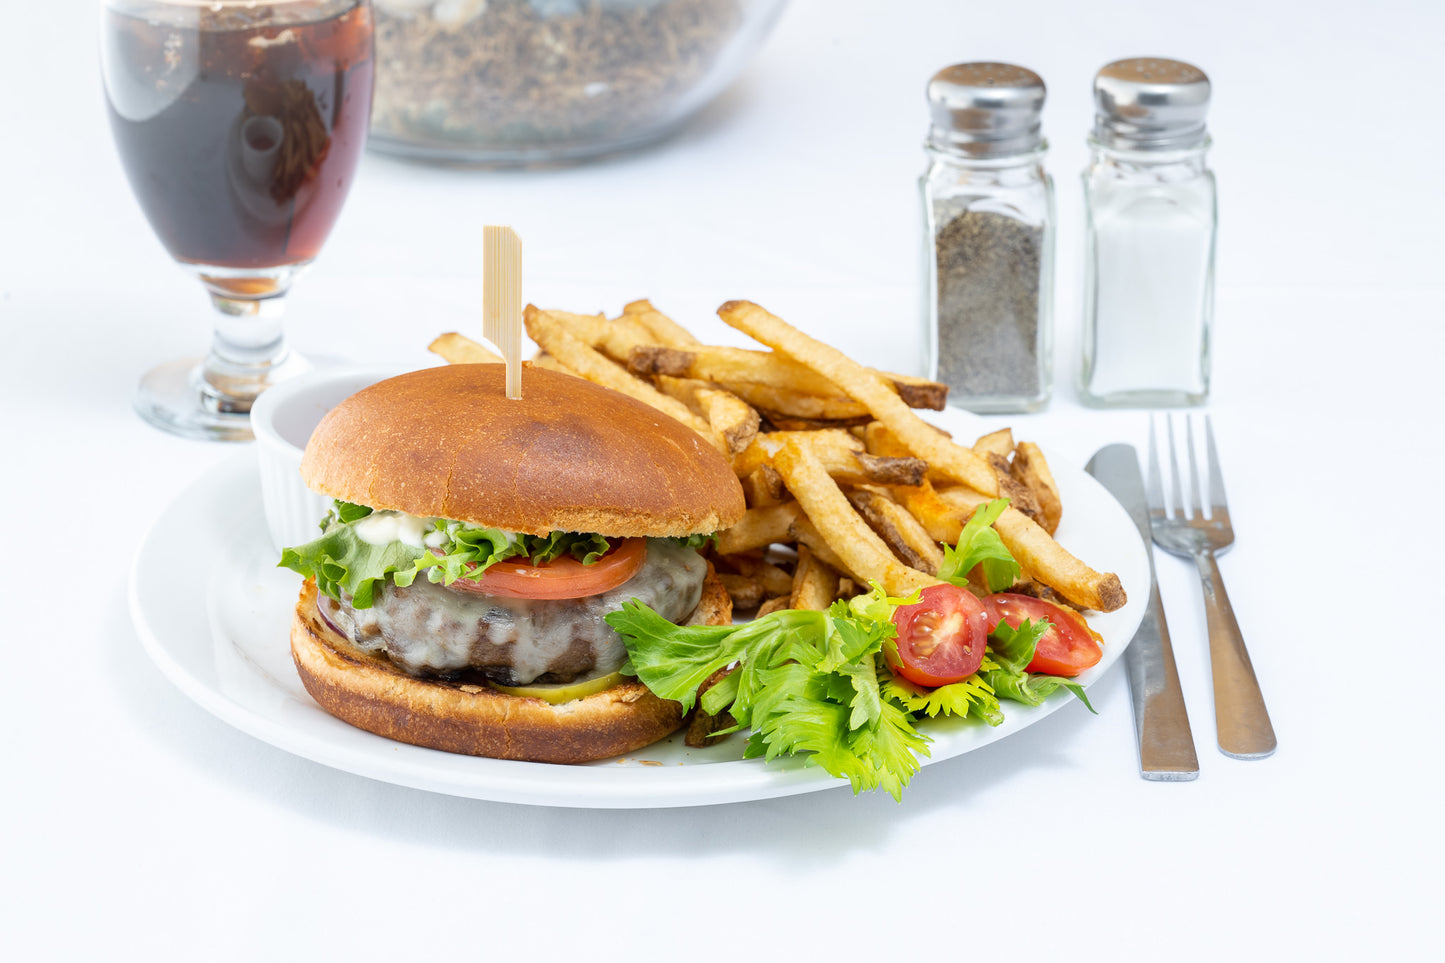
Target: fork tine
[
  {"x": 1195, "y": 494},
  {"x": 1218, "y": 504},
  {"x": 1155, "y": 488},
  {"x": 1180, "y": 508}
]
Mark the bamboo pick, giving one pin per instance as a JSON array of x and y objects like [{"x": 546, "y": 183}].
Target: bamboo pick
[{"x": 502, "y": 299}]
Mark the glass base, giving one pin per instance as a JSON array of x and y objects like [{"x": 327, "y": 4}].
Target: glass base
[
  {"x": 176, "y": 397},
  {"x": 1145, "y": 398},
  {"x": 998, "y": 405}
]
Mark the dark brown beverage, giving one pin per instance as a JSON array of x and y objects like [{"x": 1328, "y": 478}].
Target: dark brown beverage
[{"x": 240, "y": 127}]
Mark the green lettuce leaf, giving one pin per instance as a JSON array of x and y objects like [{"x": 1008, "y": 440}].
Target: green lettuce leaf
[
  {"x": 341, "y": 562},
  {"x": 805, "y": 683},
  {"x": 979, "y": 544},
  {"x": 344, "y": 512}
]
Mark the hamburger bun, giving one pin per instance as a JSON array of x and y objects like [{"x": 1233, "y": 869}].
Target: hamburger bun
[
  {"x": 370, "y": 693},
  {"x": 568, "y": 455}
]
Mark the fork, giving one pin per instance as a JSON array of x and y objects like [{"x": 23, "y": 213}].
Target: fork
[{"x": 1241, "y": 721}]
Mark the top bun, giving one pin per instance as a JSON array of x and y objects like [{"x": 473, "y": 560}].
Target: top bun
[{"x": 569, "y": 455}]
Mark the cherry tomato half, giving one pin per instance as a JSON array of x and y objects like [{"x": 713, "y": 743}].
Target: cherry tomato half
[
  {"x": 940, "y": 637},
  {"x": 562, "y": 578},
  {"x": 1067, "y": 649}
]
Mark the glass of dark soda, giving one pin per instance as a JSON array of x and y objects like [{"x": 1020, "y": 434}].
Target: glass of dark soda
[{"x": 239, "y": 125}]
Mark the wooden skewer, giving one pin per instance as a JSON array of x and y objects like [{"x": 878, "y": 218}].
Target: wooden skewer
[{"x": 502, "y": 299}]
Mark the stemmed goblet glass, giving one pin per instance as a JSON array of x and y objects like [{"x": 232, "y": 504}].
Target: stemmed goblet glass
[{"x": 240, "y": 125}]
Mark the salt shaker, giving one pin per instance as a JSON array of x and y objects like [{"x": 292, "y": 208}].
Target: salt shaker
[
  {"x": 989, "y": 208},
  {"x": 1149, "y": 238}
]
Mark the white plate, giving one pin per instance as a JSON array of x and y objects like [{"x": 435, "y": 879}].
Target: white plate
[{"x": 219, "y": 632}]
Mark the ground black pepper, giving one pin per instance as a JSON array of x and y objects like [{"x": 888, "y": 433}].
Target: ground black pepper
[{"x": 988, "y": 305}]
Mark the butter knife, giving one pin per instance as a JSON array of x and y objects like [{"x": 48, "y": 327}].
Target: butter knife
[{"x": 1161, "y": 723}]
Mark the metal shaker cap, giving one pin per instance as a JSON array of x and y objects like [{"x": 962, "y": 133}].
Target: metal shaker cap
[
  {"x": 986, "y": 109},
  {"x": 1151, "y": 104}
]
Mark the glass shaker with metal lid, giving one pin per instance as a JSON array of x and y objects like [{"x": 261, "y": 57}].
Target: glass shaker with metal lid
[
  {"x": 1149, "y": 240},
  {"x": 989, "y": 208}
]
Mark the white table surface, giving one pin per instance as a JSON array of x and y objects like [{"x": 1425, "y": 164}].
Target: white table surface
[{"x": 137, "y": 826}]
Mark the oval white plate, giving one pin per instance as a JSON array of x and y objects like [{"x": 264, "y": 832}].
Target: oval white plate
[{"x": 219, "y": 632}]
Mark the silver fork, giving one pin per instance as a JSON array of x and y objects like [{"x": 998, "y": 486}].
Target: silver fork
[{"x": 1240, "y": 718}]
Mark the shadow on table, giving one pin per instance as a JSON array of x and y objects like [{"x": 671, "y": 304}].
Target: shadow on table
[{"x": 818, "y": 827}]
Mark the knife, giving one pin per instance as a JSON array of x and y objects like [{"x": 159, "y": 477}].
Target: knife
[{"x": 1161, "y": 723}]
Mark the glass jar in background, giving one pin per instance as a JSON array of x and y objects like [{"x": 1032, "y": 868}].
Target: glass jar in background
[
  {"x": 989, "y": 209},
  {"x": 1151, "y": 220},
  {"x": 509, "y": 82}
]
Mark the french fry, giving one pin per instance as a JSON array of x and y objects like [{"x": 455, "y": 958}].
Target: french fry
[
  {"x": 999, "y": 442},
  {"x": 460, "y": 349},
  {"x": 772, "y": 605},
  {"x": 899, "y": 530},
  {"x": 545, "y": 360},
  {"x": 806, "y": 534},
  {"x": 1019, "y": 495},
  {"x": 765, "y": 446},
  {"x": 759, "y": 528},
  {"x": 727, "y": 365},
  {"x": 841, "y": 453},
  {"x": 954, "y": 461},
  {"x": 615, "y": 338},
  {"x": 943, "y": 522},
  {"x": 665, "y": 331},
  {"x": 764, "y": 486},
  {"x": 862, "y": 551},
  {"x": 733, "y": 419},
  {"x": 776, "y": 422},
  {"x": 771, "y": 577},
  {"x": 746, "y": 592},
  {"x": 1030, "y": 467},
  {"x": 586, "y": 361},
  {"x": 786, "y": 402},
  {"x": 815, "y": 584},
  {"x": 1045, "y": 559},
  {"x": 883, "y": 470}
]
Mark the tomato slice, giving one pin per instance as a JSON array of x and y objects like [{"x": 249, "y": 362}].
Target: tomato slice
[
  {"x": 1068, "y": 647},
  {"x": 940, "y": 637},
  {"x": 561, "y": 578}
]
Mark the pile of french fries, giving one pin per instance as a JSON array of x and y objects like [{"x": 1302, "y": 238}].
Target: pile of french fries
[{"x": 845, "y": 483}]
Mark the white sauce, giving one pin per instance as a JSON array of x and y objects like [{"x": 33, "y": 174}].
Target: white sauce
[{"x": 383, "y": 528}]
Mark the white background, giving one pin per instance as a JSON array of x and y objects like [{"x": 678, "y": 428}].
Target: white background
[{"x": 134, "y": 825}]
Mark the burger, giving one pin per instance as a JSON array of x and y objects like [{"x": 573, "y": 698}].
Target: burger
[{"x": 456, "y": 595}]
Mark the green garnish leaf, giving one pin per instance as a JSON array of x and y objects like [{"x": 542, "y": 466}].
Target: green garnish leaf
[
  {"x": 979, "y": 544},
  {"x": 1011, "y": 650},
  {"x": 967, "y": 697}
]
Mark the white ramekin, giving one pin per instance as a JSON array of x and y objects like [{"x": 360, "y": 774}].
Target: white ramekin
[{"x": 282, "y": 419}]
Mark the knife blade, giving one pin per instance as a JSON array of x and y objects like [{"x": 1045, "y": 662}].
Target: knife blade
[{"x": 1161, "y": 722}]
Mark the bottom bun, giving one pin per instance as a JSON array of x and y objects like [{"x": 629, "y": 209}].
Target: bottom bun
[{"x": 368, "y": 692}]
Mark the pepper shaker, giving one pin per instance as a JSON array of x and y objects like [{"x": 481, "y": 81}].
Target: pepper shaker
[
  {"x": 989, "y": 209},
  {"x": 1150, "y": 232}
]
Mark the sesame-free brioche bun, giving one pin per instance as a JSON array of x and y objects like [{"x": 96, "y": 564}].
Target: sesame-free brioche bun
[
  {"x": 569, "y": 455},
  {"x": 368, "y": 692}
]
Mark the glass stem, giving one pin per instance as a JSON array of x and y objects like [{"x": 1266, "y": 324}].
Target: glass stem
[{"x": 247, "y": 349}]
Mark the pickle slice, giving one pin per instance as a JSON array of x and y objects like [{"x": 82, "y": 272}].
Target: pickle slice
[{"x": 563, "y": 692}]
